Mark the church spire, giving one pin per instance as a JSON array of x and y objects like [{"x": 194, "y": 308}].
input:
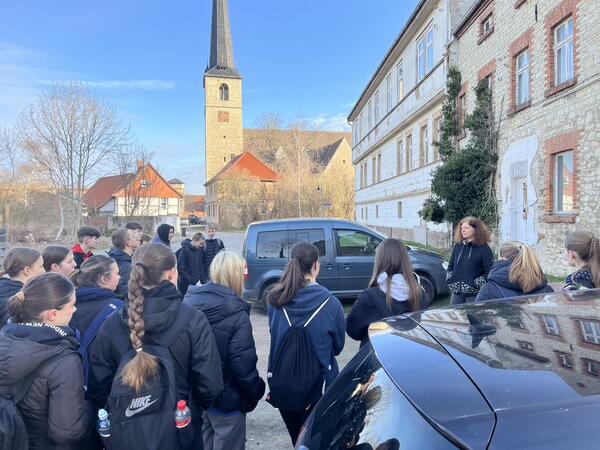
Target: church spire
[{"x": 221, "y": 62}]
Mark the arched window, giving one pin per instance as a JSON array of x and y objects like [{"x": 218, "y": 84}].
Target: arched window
[{"x": 224, "y": 93}]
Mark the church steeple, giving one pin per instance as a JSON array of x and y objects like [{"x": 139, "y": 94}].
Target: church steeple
[{"x": 221, "y": 62}]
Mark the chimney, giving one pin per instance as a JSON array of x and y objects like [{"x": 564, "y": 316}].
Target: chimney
[{"x": 140, "y": 165}]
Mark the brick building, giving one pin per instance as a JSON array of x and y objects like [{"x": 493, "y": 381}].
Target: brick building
[{"x": 541, "y": 61}]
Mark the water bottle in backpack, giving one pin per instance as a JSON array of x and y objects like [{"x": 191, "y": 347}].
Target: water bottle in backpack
[
  {"x": 103, "y": 424},
  {"x": 183, "y": 422}
]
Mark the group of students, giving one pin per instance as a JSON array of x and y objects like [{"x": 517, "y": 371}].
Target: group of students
[{"x": 207, "y": 335}]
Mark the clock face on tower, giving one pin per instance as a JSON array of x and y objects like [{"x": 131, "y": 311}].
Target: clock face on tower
[{"x": 223, "y": 116}]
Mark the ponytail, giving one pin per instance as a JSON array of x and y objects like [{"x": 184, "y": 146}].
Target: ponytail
[
  {"x": 525, "y": 269},
  {"x": 150, "y": 262},
  {"x": 594, "y": 261},
  {"x": 587, "y": 248},
  {"x": 303, "y": 256}
]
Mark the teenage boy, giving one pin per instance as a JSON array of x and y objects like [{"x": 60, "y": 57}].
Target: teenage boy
[
  {"x": 212, "y": 246},
  {"x": 137, "y": 228},
  {"x": 124, "y": 242},
  {"x": 190, "y": 263},
  {"x": 88, "y": 241}
]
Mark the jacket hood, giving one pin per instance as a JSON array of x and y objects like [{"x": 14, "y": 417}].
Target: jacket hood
[
  {"x": 9, "y": 287},
  {"x": 500, "y": 274},
  {"x": 307, "y": 298},
  {"x": 77, "y": 248},
  {"x": 163, "y": 231},
  {"x": 187, "y": 243},
  {"x": 92, "y": 293},
  {"x": 160, "y": 308},
  {"x": 119, "y": 255},
  {"x": 217, "y": 302},
  {"x": 24, "y": 347}
]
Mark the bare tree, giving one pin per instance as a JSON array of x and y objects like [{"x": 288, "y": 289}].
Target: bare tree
[
  {"x": 9, "y": 163},
  {"x": 67, "y": 134}
]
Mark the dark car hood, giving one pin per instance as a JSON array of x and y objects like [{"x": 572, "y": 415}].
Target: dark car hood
[{"x": 519, "y": 366}]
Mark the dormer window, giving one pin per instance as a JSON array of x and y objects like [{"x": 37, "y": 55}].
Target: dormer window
[
  {"x": 224, "y": 93},
  {"x": 145, "y": 184}
]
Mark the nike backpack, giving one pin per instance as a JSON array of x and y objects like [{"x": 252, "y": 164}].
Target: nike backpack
[
  {"x": 145, "y": 420},
  {"x": 295, "y": 376}
]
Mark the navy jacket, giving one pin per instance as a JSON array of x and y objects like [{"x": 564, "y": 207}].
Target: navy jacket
[
  {"x": 468, "y": 268},
  {"x": 8, "y": 288},
  {"x": 211, "y": 248},
  {"x": 229, "y": 318},
  {"x": 125, "y": 265},
  {"x": 53, "y": 409},
  {"x": 499, "y": 286},
  {"x": 190, "y": 265},
  {"x": 371, "y": 306},
  {"x": 326, "y": 331},
  {"x": 581, "y": 278},
  {"x": 89, "y": 302}
]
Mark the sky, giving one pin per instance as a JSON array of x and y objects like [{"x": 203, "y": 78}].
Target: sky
[{"x": 309, "y": 59}]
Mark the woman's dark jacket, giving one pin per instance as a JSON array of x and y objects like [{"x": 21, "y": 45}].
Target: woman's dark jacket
[
  {"x": 8, "y": 288},
  {"x": 326, "y": 331},
  {"x": 499, "y": 286},
  {"x": 581, "y": 278},
  {"x": 90, "y": 300},
  {"x": 53, "y": 408},
  {"x": 190, "y": 265},
  {"x": 195, "y": 354},
  {"x": 229, "y": 317},
  {"x": 371, "y": 306},
  {"x": 125, "y": 265},
  {"x": 468, "y": 268}
]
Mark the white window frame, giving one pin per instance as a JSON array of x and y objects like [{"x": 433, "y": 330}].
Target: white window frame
[
  {"x": 400, "y": 156},
  {"x": 523, "y": 77},
  {"x": 400, "y": 81},
  {"x": 559, "y": 176},
  {"x": 425, "y": 54},
  {"x": 389, "y": 92},
  {"x": 551, "y": 324},
  {"x": 591, "y": 331},
  {"x": 564, "y": 51},
  {"x": 589, "y": 363},
  {"x": 488, "y": 24},
  {"x": 370, "y": 116},
  {"x": 377, "y": 110}
]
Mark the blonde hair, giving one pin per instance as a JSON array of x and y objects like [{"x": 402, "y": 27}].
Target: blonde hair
[
  {"x": 587, "y": 247},
  {"x": 227, "y": 269},
  {"x": 525, "y": 268}
]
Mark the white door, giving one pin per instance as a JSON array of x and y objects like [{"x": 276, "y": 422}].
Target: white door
[{"x": 518, "y": 201}]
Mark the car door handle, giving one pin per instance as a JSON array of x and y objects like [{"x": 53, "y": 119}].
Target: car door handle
[
  {"x": 346, "y": 266},
  {"x": 329, "y": 266}
]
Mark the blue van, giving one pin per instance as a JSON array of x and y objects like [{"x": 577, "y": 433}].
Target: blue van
[{"x": 347, "y": 254}]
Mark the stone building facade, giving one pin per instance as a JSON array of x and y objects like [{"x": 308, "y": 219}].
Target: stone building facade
[
  {"x": 541, "y": 60},
  {"x": 395, "y": 122}
]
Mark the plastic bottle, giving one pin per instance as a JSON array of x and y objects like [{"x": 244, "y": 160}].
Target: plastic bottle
[
  {"x": 103, "y": 423},
  {"x": 183, "y": 415}
]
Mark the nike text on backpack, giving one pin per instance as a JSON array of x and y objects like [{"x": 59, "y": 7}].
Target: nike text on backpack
[
  {"x": 13, "y": 432},
  {"x": 90, "y": 334},
  {"x": 145, "y": 420},
  {"x": 295, "y": 376}
]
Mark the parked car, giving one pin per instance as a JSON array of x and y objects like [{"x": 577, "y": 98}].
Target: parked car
[
  {"x": 347, "y": 254},
  {"x": 195, "y": 220},
  {"x": 517, "y": 373}
]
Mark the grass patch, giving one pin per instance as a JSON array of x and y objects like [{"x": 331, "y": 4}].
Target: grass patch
[
  {"x": 555, "y": 279},
  {"x": 445, "y": 253}
]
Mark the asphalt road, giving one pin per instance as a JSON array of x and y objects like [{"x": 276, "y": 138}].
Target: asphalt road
[{"x": 265, "y": 429}]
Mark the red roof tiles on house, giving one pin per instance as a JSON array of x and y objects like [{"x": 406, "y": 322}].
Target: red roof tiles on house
[
  {"x": 105, "y": 188},
  {"x": 246, "y": 166}
]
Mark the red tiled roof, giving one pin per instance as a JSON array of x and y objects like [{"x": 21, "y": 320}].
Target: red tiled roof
[
  {"x": 103, "y": 190},
  {"x": 245, "y": 166}
]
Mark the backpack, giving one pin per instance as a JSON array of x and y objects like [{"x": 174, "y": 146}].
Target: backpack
[
  {"x": 13, "y": 432},
  {"x": 90, "y": 334},
  {"x": 145, "y": 420},
  {"x": 295, "y": 376}
]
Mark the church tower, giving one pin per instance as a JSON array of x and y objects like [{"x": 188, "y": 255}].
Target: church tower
[{"x": 222, "y": 95}]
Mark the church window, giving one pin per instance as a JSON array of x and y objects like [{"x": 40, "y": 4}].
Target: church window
[
  {"x": 224, "y": 93},
  {"x": 223, "y": 116}
]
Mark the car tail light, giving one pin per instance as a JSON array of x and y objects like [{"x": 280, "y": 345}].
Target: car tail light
[{"x": 246, "y": 273}]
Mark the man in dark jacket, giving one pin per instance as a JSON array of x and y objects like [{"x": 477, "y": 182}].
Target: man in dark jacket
[
  {"x": 124, "y": 243},
  {"x": 190, "y": 263},
  {"x": 212, "y": 246}
]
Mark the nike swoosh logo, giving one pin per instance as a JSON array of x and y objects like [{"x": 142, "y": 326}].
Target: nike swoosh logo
[{"x": 133, "y": 412}]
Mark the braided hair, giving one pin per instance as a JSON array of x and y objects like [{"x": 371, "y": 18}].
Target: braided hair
[{"x": 150, "y": 263}]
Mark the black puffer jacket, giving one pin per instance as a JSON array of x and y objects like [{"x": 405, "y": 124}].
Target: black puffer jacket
[
  {"x": 581, "y": 278},
  {"x": 229, "y": 318},
  {"x": 468, "y": 268},
  {"x": 124, "y": 262},
  {"x": 212, "y": 247},
  {"x": 53, "y": 409},
  {"x": 195, "y": 354},
  {"x": 499, "y": 286},
  {"x": 191, "y": 266},
  {"x": 8, "y": 288},
  {"x": 90, "y": 300}
]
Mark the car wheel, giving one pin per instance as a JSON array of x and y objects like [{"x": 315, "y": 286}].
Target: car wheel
[
  {"x": 427, "y": 286},
  {"x": 264, "y": 295}
]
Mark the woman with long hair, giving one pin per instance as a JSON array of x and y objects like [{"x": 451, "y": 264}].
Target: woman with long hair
[
  {"x": 224, "y": 423},
  {"x": 59, "y": 259},
  {"x": 38, "y": 352},
  {"x": 393, "y": 290},
  {"x": 292, "y": 302},
  {"x": 471, "y": 260},
  {"x": 96, "y": 282},
  {"x": 517, "y": 272},
  {"x": 583, "y": 252},
  {"x": 153, "y": 307},
  {"x": 21, "y": 264}
]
